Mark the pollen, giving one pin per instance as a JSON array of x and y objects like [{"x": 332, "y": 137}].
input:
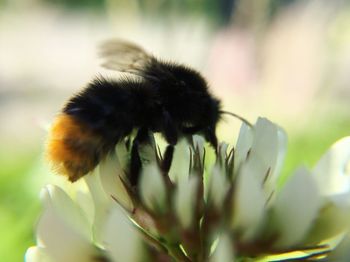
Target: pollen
[{"x": 72, "y": 149}]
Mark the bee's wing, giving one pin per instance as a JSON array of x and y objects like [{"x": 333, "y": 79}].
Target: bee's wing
[{"x": 124, "y": 56}]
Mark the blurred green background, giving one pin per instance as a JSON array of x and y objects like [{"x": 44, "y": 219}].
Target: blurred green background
[{"x": 285, "y": 60}]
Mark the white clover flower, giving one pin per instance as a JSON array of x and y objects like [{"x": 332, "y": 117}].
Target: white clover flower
[
  {"x": 197, "y": 209},
  {"x": 63, "y": 232}
]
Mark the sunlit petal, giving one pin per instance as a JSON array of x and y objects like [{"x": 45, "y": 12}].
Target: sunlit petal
[
  {"x": 179, "y": 169},
  {"x": 61, "y": 240},
  {"x": 332, "y": 172},
  {"x": 56, "y": 199},
  {"x": 296, "y": 207},
  {"x": 111, "y": 173},
  {"x": 101, "y": 202},
  {"x": 37, "y": 254}
]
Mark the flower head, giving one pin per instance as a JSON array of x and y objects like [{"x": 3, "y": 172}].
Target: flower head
[{"x": 204, "y": 206}]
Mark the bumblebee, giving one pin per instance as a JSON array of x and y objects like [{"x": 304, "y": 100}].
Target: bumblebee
[{"x": 164, "y": 97}]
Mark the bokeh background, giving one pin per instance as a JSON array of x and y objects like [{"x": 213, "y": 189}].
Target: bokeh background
[{"x": 287, "y": 60}]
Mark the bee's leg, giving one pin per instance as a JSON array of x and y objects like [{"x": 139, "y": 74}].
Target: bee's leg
[
  {"x": 135, "y": 162},
  {"x": 135, "y": 165},
  {"x": 210, "y": 136},
  {"x": 167, "y": 159},
  {"x": 169, "y": 129},
  {"x": 170, "y": 133},
  {"x": 189, "y": 132}
]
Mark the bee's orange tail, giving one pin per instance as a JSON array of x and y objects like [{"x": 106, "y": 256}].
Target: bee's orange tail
[{"x": 73, "y": 149}]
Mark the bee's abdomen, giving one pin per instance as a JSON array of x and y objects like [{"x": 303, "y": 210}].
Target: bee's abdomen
[
  {"x": 93, "y": 122},
  {"x": 73, "y": 149},
  {"x": 105, "y": 107}
]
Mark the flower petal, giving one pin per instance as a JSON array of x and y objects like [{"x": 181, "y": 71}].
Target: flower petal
[
  {"x": 122, "y": 155},
  {"x": 224, "y": 251},
  {"x": 122, "y": 241},
  {"x": 342, "y": 251},
  {"x": 333, "y": 179},
  {"x": 152, "y": 188},
  {"x": 198, "y": 142},
  {"x": 84, "y": 200},
  {"x": 147, "y": 152},
  {"x": 101, "y": 202},
  {"x": 62, "y": 241},
  {"x": 282, "y": 150},
  {"x": 180, "y": 165},
  {"x": 37, "y": 254},
  {"x": 248, "y": 203},
  {"x": 332, "y": 220},
  {"x": 185, "y": 200},
  {"x": 332, "y": 172},
  {"x": 296, "y": 207},
  {"x": 264, "y": 151},
  {"x": 243, "y": 145},
  {"x": 55, "y": 198},
  {"x": 111, "y": 173},
  {"x": 218, "y": 187}
]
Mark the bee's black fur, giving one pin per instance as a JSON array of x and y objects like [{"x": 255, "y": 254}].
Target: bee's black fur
[{"x": 168, "y": 98}]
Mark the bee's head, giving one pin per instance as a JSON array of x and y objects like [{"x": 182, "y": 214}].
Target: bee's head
[
  {"x": 189, "y": 78},
  {"x": 189, "y": 101},
  {"x": 179, "y": 76},
  {"x": 204, "y": 114}
]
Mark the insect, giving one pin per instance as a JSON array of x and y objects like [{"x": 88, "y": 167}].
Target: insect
[{"x": 163, "y": 97}]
